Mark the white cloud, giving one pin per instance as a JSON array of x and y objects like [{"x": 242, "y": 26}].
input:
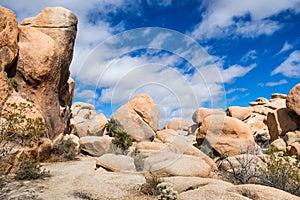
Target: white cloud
[
  {"x": 249, "y": 56},
  {"x": 247, "y": 18},
  {"x": 235, "y": 71},
  {"x": 272, "y": 84},
  {"x": 102, "y": 59},
  {"x": 290, "y": 67},
  {"x": 233, "y": 90},
  {"x": 286, "y": 46}
]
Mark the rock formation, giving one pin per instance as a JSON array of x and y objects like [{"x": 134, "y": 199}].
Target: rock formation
[
  {"x": 34, "y": 69},
  {"x": 139, "y": 117}
]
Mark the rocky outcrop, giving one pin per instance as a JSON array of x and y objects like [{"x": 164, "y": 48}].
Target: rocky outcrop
[
  {"x": 281, "y": 121},
  {"x": 226, "y": 135},
  {"x": 139, "y": 118},
  {"x": 34, "y": 69},
  {"x": 46, "y": 84},
  {"x": 293, "y": 99}
]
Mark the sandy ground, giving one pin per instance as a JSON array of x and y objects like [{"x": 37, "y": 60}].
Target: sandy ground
[{"x": 77, "y": 180}]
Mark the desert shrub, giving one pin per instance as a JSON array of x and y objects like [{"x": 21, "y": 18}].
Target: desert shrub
[
  {"x": 244, "y": 169},
  {"x": 64, "y": 151},
  {"x": 281, "y": 171},
  {"x": 276, "y": 169},
  {"x": 166, "y": 191},
  {"x": 122, "y": 141},
  {"x": 150, "y": 187},
  {"x": 17, "y": 129},
  {"x": 29, "y": 170}
]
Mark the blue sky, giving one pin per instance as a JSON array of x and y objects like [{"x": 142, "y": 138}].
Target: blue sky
[{"x": 185, "y": 54}]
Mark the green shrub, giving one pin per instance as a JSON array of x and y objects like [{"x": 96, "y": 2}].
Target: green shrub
[
  {"x": 30, "y": 170},
  {"x": 282, "y": 172},
  {"x": 66, "y": 150},
  {"x": 122, "y": 141},
  {"x": 12, "y": 82},
  {"x": 17, "y": 128},
  {"x": 150, "y": 187}
]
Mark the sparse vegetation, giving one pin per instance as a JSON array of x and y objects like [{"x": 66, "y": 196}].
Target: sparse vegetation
[
  {"x": 150, "y": 187},
  {"x": 276, "y": 169},
  {"x": 12, "y": 82},
  {"x": 17, "y": 130},
  {"x": 29, "y": 170},
  {"x": 138, "y": 159},
  {"x": 122, "y": 141},
  {"x": 64, "y": 151},
  {"x": 281, "y": 172}
]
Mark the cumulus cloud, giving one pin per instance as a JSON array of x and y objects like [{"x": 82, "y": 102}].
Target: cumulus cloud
[
  {"x": 246, "y": 18},
  {"x": 111, "y": 68},
  {"x": 290, "y": 67},
  {"x": 272, "y": 84}
]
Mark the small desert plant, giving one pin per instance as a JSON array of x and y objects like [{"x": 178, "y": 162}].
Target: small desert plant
[
  {"x": 150, "y": 187},
  {"x": 122, "y": 140},
  {"x": 29, "y": 170},
  {"x": 166, "y": 191},
  {"x": 66, "y": 150},
  {"x": 12, "y": 82},
  {"x": 138, "y": 159}
]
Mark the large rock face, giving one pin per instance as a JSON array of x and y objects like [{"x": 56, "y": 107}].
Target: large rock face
[
  {"x": 43, "y": 70},
  {"x": 226, "y": 135},
  {"x": 138, "y": 117},
  {"x": 282, "y": 121},
  {"x": 8, "y": 48},
  {"x": 293, "y": 99}
]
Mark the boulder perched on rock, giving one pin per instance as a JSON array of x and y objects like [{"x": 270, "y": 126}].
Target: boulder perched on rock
[
  {"x": 201, "y": 113},
  {"x": 139, "y": 118},
  {"x": 226, "y": 135},
  {"x": 173, "y": 164},
  {"x": 282, "y": 121},
  {"x": 87, "y": 122},
  {"x": 293, "y": 99},
  {"x": 178, "y": 124},
  {"x": 238, "y": 112}
]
